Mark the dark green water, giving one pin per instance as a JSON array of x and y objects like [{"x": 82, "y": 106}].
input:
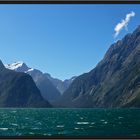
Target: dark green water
[{"x": 70, "y": 122}]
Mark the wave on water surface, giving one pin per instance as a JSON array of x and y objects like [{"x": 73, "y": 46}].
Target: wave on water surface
[{"x": 78, "y": 122}]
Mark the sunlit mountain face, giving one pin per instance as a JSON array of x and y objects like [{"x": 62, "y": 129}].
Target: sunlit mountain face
[{"x": 114, "y": 82}]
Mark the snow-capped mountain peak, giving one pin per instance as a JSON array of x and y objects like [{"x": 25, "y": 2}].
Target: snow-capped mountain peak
[{"x": 19, "y": 66}]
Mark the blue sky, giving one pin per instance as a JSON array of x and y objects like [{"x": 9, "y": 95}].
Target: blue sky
[{"x": 63, "y": 40}]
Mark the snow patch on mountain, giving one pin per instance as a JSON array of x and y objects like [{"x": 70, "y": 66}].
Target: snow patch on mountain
[{"x": 19, "y": 66}]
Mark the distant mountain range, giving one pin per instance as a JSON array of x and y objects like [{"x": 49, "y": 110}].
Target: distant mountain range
[
  {"x": 50, "y": 88},
  {"x": 114, "y": 82},
  {"x": 62, "y": 86},
  {"x": 18, "y": 89}
]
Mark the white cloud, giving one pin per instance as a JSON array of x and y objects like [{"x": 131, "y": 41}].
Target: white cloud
[{"x": 123, "y": 24}]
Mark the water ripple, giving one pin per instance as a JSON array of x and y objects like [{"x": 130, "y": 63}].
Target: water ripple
[{"x": 82, "y": 122}]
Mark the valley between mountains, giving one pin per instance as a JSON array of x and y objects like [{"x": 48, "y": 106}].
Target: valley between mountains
[{"x": 113, "y": 83}]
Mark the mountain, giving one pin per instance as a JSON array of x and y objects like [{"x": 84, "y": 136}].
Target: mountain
[
  {"x": 47, "y": 89},
  {"x": 114, "y": 82},
  {"x": 19, "y": 90},
  {"x": 62, "y": 86},
  {"x": 18, "y": 66}
]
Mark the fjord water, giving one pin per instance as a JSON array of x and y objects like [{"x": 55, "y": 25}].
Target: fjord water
[{"x": 70, "y": 122}]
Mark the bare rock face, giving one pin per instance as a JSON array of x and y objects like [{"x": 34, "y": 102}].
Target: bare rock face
[{"x": 114, "y": 82}]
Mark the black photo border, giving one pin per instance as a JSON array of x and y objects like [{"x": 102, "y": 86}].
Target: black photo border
[{"x": 69, "y": 2}]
